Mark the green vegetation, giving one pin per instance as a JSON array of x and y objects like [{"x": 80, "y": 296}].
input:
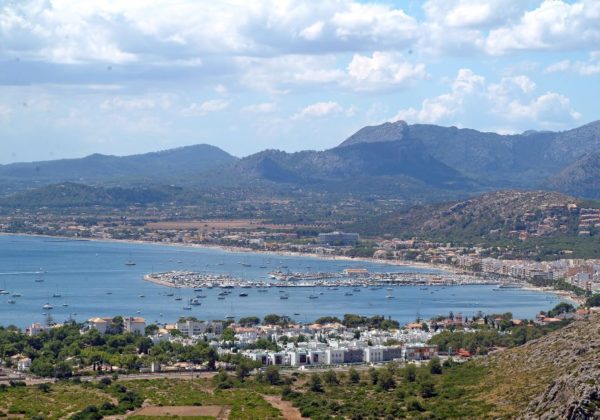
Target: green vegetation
[
  {"x": 498, "y": 331},
  {"x": 63, "y": 351}
]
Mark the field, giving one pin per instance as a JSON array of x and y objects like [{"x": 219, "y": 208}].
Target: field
[{"x": 59, "y": 402}]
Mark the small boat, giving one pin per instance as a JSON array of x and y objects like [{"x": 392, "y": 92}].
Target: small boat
[
  {"x": 187, "y": 308},
  {"x": 56, "y": 295},
  {"x": 64, "y": 305},
  {"x": 47, "y": 306},
  {"x": 109, "y": 293},
  {"x": 195, "y": 302},
  {"x": 296, "y": 314},
  {"x": 356, "y": 290},
  {"x": 16, "y": 295},
  {"x": 221, "y": 297},
  {"x": 178, "y": 298},
  {"x": 170, "y": 294},
  {"x": 130, "y": 263},
  {"x": 11, "y": 301},
  {"x": 142, "y": 296},
  {"x": 389, "y": 296},
  {"x": 284, "y": 297},
  {"x": 348, "y": 294},
  {"x": 198, "y": 289},
  {"x": 243, "y": 294},
  {"x": 313, "y": 297}
]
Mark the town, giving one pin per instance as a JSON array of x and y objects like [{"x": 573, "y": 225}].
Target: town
[{"x": 275, "y": 340}]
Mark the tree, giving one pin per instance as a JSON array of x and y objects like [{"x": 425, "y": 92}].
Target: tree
[
  {"x": 315, "y": 384},
  {"x": 271, "y": 319},
  {"x": 272, "y": 375},
  {"x": 353, "y": 376},
  {"x": 435, "y": 366},
  {"x": 410, "y": 373},
  {"x": 374, "y": 375},
  {"x": 427, "y": 388},
  {"x": 385, "y": 381},
  {"x": 330, "y": 378},
  {"x": 593, "y": 300},
  {"x": 151, "y": 329},
  {"x": 249, "y": 321},
  {"x": 228, "y": 335},
  {"x": 63, "y": 370}
]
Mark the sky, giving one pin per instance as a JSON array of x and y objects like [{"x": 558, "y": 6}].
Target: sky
[{"x": 123, "y": 77}]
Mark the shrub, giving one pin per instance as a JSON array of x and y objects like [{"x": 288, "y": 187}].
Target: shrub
[
  {"x": 410, "y": 373},
  {"x": 315, "y": 384}
]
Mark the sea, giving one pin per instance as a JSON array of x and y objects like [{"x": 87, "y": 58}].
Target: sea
[{"x": 82, "y": 279}]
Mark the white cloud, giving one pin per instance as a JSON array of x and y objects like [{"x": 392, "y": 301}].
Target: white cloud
[
  {"x": 512, "y": 99},
  {"x": 319, "y": 110},
  {"x": 261, "y": 108},
  {"x": 446, "y": 105},
  {"x": 383, "y": 70},
  {"x": 313, "y": 32},
  {"x": 5, "y": 112},
  {"x": 374, "y": 22},
  {"x": 553, "y": 26},
  {"x": 213, "y": 105},
  {"x": 144, "y": 102},
  {"x": 584, "y": 68}
]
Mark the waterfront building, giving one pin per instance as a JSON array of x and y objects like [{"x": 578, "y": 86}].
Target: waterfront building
[{"x": 134, "y": 325}]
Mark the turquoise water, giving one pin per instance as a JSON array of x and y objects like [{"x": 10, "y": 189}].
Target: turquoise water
[{"x": 92, "y": 279}]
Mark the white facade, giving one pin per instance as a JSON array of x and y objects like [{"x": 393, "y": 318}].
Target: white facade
[
  {"x": 135, "y": 325},
  {"x": 334, "y": 356},
  {"x": 374, "y": 354}
]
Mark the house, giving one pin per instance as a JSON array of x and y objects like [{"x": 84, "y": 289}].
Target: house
[
  {"x": 99, "y": 324},
  {"x": 35, "y": 329},
  {"x": 135, "y": 325},
  {"x": 191, "y": 327},
  {"x": 23, "y": 364}
]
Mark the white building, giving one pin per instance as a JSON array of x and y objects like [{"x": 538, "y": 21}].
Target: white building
[
  {"x": 334, "y": 356},
  {"x": 192, "y": 327},
  {"x": 135, "y": 325},
  {"x": 99, "y": 324},
  {"x": 374, "y": 354}
]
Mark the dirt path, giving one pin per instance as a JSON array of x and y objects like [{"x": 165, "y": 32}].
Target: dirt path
[{"x": 288, "y": 411}]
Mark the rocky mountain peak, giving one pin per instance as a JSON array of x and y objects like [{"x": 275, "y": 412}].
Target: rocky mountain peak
[{"x": 389, "y": 131}]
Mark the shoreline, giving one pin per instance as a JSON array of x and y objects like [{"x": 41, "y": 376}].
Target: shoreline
[{"x": 235, "y": 249}]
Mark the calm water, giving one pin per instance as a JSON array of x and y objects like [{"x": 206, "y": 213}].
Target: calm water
[{"x": 93, "y": 280}]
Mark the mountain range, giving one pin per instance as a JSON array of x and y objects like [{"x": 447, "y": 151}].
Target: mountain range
[{"x": 392, "y": 159}]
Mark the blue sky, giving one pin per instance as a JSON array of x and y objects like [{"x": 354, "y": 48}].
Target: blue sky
[{"x": 122, "y": 77}]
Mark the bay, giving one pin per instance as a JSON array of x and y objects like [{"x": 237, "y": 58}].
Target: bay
[{"x": 92, "y": 279}]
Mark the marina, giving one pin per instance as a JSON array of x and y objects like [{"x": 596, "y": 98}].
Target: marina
[
  {"x": 93, "y": 280},
  {"x": 195, "y": 280}
]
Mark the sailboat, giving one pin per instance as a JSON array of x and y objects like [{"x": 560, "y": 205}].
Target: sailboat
[
  {"x": 4, "y": 291},
  {"x": 187, "y": 307},
  {"x": 130, "y": 262}
]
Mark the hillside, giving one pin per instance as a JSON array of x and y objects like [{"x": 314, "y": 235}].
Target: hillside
[
  {"x": 412, "y": 163},
  {"x": 555, "y": 376},
  {"x": 78, "y": 195},
  {"x": 581, "y": 178},
  {"x": 504, "y": 213},
  {"x": 156, "y": 167},
  {"x": 349, "y": 163}
]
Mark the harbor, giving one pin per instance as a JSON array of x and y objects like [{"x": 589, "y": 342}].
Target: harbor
[
  {"x": 353, "y": 278},
  {"x": 78, "y": 280}
]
